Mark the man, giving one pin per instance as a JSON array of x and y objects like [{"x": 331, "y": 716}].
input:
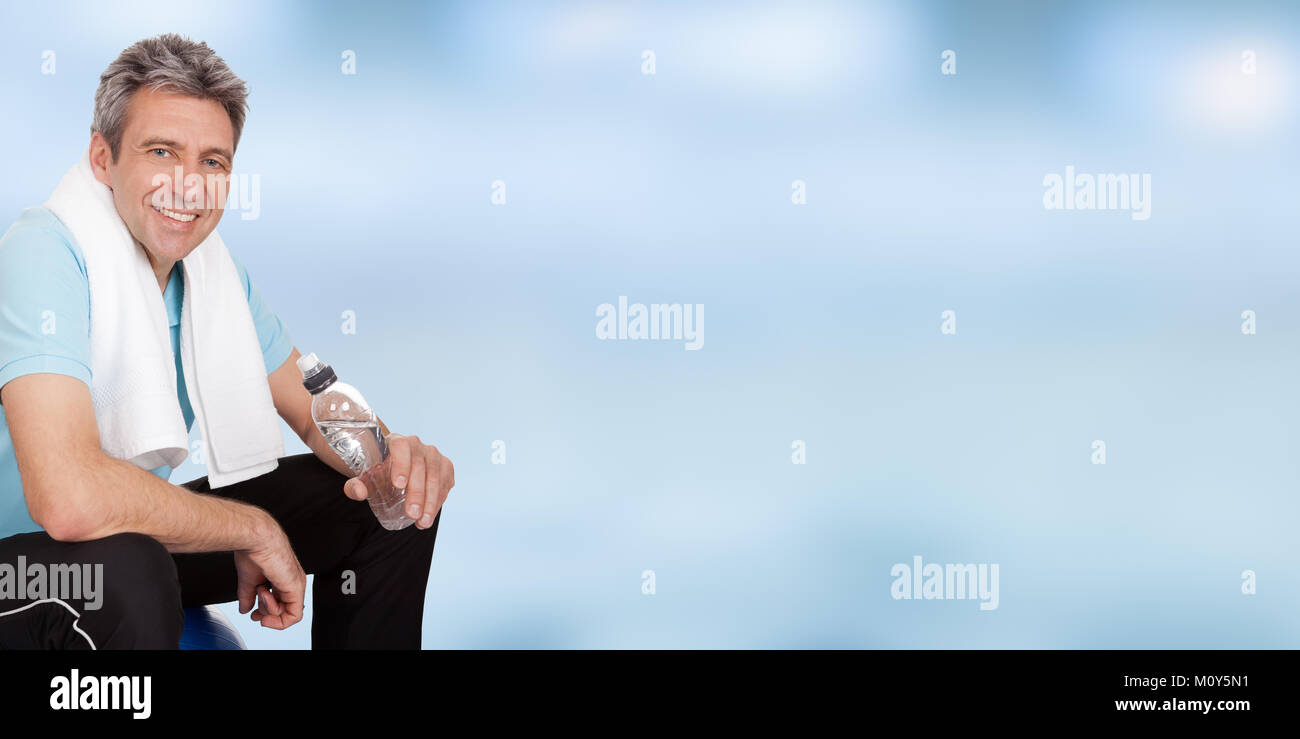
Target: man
[{"x": 169, "y": 106}]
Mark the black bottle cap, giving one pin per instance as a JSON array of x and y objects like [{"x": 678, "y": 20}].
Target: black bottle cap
[{"x": 320, "y": 380}]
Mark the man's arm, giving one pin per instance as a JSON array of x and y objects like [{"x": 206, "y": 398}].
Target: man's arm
[{"x": 76, "y": 492}]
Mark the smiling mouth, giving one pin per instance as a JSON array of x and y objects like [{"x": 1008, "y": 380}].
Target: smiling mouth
[{"x": 178, "y": 217}]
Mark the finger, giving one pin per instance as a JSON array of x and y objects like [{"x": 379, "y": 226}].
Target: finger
[
  {"x": 270, "y": 604},
  {"x": 448, "y": 481},
  {"x": 416, "y": 489},
  {"x": 434, "y": 494},
  {"x": 355, "y": 489},
  {"x": 292, "y": 613},
  {"x": 259, "y": 613},
  {"x": 246, "y": 592},
  {"x": 289, "y": 613},
  {"x": 399, "y": 459},
  {"x": 268, "y": 619}
]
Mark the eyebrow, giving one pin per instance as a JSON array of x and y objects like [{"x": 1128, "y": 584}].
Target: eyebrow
[{"x": 168, "y": 142}]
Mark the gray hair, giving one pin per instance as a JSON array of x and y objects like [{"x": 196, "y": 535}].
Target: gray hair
[{"x": 169, "y": 63}]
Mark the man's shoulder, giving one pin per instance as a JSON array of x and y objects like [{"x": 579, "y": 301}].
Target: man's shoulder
[{"x": 38, "y": 240}]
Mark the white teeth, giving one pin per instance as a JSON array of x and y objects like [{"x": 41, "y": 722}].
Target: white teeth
[{"x": 182, "y": 217}]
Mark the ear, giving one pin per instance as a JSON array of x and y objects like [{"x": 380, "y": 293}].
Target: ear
[{"x": 100, "y": 156}]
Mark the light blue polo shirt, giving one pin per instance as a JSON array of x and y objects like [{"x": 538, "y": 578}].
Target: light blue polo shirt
[{"x": 45, "y": 327}]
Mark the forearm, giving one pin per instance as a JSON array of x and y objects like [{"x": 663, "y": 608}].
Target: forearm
[{"x": 117, "y": 497}]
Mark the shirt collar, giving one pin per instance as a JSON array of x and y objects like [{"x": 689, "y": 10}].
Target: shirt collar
[{"x": 172, "y": 295}]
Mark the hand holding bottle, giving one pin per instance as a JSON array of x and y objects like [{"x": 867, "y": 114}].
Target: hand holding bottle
[
  {"x": 419, "y": 469},
  {"x": 403, "y": 479}
]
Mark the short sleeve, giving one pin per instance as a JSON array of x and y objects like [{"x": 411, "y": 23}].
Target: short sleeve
[
  {"x": 44, "y": 304},
  {"x": 271, "y": 332}
]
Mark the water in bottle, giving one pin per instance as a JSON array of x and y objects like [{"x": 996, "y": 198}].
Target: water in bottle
[{"x": 350, "y": 426}]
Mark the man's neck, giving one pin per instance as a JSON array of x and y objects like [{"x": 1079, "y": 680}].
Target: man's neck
[{"x": 161, "y": 270}]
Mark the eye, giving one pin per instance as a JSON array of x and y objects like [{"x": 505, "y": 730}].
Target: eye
[
  {"x": 163, "y": 152},
  {"x": 214, "y": 163}
]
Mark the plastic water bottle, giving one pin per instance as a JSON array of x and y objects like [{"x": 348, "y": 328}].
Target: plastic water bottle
[{"x": 347, "y": 422}]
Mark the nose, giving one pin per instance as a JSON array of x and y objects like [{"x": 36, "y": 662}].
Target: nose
[{"x": 194, "y": 187}]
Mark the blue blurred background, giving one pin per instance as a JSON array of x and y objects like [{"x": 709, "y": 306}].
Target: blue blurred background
[{"x": 476, "y": 322}]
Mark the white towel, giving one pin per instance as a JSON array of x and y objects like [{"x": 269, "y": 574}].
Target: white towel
[{"x": 133, "y": 372}]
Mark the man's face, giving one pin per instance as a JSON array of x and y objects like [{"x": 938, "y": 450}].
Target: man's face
[{"x": 165, "y": 131}]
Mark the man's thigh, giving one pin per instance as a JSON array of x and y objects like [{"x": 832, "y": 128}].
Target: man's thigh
[{"x": 300, "y": 490}]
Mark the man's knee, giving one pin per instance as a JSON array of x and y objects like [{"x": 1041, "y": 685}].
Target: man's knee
[
  {"x": 141, "y": 595},
  {"x": 424, "y": 539}
]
